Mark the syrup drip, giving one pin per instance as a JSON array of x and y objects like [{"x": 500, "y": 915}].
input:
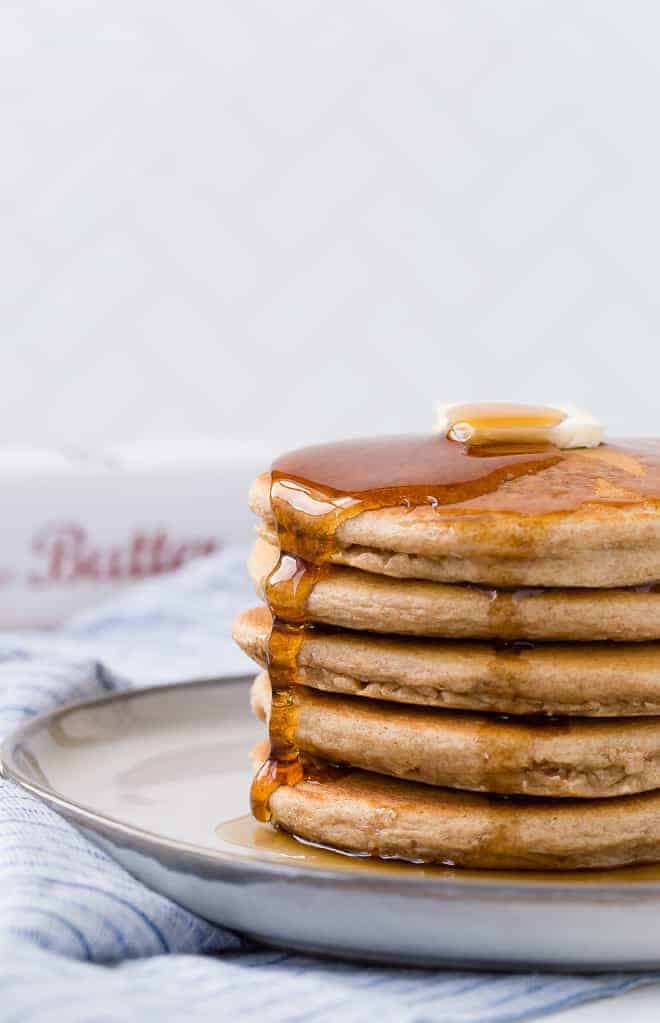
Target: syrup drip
[
  {"x": 275, "y": 771},
  {"x": 284, "y": 765},
  {"x": 504, "y": 611},
  {"x": 287, "y": 591}
]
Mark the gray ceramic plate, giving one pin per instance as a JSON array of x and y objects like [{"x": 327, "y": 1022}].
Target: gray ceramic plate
[{"x": 160, "y": 777}]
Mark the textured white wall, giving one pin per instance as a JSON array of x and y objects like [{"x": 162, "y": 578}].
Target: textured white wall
[{"x": 297, "y": 219}]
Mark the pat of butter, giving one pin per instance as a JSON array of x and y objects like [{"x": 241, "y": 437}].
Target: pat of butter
[{"x": 486, "y": 423}]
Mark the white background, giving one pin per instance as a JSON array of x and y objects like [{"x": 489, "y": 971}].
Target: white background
[{"x": 287, "y": 221}]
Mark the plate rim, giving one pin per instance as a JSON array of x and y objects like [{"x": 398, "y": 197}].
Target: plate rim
[{"x": 261, "y": 869}]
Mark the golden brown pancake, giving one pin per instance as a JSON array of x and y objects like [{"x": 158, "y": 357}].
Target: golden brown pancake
[
  {"x": 592, "y": 680},
  {"x": 352, "y": 599},
  {"x": 368, "y": 813},
  {"x": 593, "y": 519},
  {"x": 628, "y": 567},
  {"x": 581, "y": 759}
]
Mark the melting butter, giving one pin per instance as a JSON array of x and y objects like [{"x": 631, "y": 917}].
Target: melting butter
[{"x": 483, "y": 424}]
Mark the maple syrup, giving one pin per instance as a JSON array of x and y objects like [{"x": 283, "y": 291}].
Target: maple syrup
[
  {"x": 284, "y": 764},
  {"x": 288, "y": 588}
]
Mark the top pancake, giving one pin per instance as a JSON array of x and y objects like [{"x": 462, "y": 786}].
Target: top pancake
[{"x": 587, "y": 518}]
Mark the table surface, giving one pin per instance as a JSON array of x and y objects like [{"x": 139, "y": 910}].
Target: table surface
[{"x": 642, "y": 1006}]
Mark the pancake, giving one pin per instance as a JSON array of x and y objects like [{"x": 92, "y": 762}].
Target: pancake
[
  {"x": 391, "y": 566},
  {"x": 369, "y": 813},
  {"x": 592, "y": 680},
  {"x": 581, "y": 759},
  {"x": 352, "y": 599},
  {"x": 604, "y": 568},
  {"x": 590, "y": 518}
]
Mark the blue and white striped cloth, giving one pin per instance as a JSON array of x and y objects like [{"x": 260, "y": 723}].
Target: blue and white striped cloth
[{"x": 83, "y": 942}]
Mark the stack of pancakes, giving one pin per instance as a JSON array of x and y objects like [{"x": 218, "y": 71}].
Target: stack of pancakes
[{"x": 478, "y": 654}]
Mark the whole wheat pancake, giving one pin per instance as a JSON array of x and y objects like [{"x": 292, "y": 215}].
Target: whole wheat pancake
[
  {"x": 369, "y": 813},
  {"x": 625, "y": 567},
  {"x": 592, "y": 680},
  {"x": 590, "y": 519},
  {"x": 582, "y": 758},
  {"x": 352, "y": 599}
]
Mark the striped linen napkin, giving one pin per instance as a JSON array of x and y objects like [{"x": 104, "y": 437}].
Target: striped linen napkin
[{"x": 81, "y": 940}]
